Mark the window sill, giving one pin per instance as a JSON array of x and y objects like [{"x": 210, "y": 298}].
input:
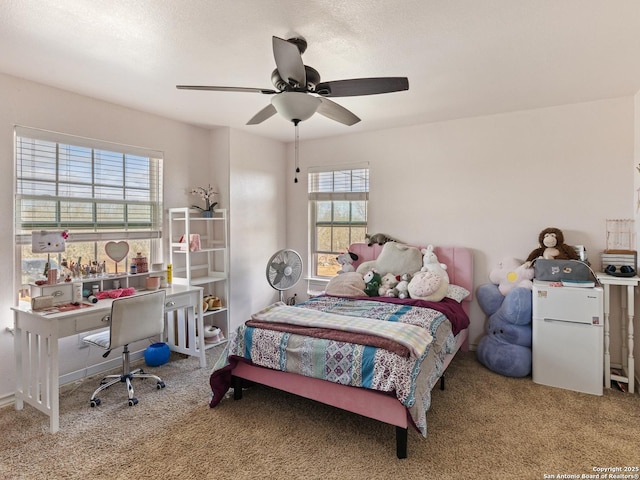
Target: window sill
[{"x": 316, "y": 285}]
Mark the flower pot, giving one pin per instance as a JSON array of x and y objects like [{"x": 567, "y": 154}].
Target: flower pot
[
  {"x": 207, "y": 214},
  {"x": 157, "y": 354},
  {"x": 152, "y": 283}
]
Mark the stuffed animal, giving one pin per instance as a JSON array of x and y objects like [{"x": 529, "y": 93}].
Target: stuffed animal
[
  {"x": 432, "y": 281},
  {"x": 511, "y": 273},
  {"x": 346, "y": 259},
  {"x": 379, "y": 238},
  {"x": 388, "y": 285},
  {"x": 431, "y": 263},
  {"x": 403, "y": 285},
  {"x": 372, "y": 280},
  {"x": 552, "y": 246},
  {"x": 506, "y": 349}
]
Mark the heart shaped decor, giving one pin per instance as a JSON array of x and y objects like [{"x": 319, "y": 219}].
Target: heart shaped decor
[{"x": 116, "y": 251}]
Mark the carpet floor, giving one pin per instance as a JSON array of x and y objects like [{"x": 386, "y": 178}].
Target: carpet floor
[{"x": 482, "y": 425}]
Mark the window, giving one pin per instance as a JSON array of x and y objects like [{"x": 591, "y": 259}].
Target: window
[
  {"x": 338, "y": 211},
  {"x": 97, "y": 191}
]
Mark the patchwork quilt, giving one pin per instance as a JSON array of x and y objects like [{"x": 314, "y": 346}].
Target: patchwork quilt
[{"x": 409, "y": 377}]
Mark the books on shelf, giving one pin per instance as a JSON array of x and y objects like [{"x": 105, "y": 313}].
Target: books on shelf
[
  {"x": 619, "y": 258},
  {"x": 619, "y": 381}
]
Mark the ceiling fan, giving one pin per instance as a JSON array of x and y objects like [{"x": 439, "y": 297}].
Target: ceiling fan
[{"x": 299, "y": 93}]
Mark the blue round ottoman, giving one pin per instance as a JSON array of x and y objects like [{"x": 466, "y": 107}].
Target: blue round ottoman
[{"x": 157, "y": 354}]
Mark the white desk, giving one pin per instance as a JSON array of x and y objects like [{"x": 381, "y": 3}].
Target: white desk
[
  {"x": 628, "y": 309},
  {"x": 37, "y": 334}
]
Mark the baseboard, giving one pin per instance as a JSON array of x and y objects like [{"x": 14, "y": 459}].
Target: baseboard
[
  {"x": 7, "y": 400},
  {"x": 114, "y": 363}
]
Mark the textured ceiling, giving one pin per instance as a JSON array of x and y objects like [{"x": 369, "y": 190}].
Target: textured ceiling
[{"x": 462, "y": 57}]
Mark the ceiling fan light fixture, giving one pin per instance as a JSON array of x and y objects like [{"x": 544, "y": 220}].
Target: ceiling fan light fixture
[
  {"x": 296, "y": 106},
  {"x": 300, "y": 93}
]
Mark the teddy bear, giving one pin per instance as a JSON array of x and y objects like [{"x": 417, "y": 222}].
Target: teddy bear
[
  {"x": 511, "y": 273},
  {"x": 432, "y": 281},
  {"x": 403, "y": 285},
  {"x": 388, "y": 285},
  {"x": 346, "y": 259},
  {"x": 372, "y": 280},
  {"x": 506, "y": 349},
  {"x": 552, "y": 246}
]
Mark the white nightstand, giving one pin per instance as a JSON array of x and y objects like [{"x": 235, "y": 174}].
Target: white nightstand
[{"x": 627, "y": 306}]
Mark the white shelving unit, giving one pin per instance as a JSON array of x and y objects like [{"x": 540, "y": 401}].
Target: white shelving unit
[{"x": 206, "y": 266}]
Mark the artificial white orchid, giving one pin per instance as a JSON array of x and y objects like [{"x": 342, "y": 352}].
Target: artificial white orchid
[{"x": 207, "y": 195}]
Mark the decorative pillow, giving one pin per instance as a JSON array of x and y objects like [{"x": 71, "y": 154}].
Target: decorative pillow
[
  {"x": 428, "y": 286},
  {"x": 424, "y": 284},
  {"x": 395, "y": 258},
  {"x": 457, "y": 293},
  {"x": 367, "y": 266},
  {"x": 348, "y": 284}
]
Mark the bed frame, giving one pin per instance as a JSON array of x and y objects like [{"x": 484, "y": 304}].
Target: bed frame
[{"x": 369, "y": 403}]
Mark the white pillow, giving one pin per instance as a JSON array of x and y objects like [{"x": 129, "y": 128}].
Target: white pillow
[
  {"x": 395, "y": 258},
  {"x": 457, "y": 293},
  {"x": 349, "y": 284}
]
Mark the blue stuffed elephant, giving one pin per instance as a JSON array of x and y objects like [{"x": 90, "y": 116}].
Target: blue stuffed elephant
[{"x": 506, "y": 349}]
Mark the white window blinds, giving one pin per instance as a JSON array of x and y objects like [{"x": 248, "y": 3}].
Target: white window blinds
[
  {"x": 96, "y": 190},
  {"x": 347, "y": 184}
]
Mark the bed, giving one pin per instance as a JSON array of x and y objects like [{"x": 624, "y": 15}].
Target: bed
[{"x": 389, "y": 384}]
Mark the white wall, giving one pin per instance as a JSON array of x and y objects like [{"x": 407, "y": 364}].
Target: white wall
[
  {"x": 34, "y": 105},
  {"x": 636, "y": 203},
  {"x": 489, "y": 183},
  {"x": 245, "y": 169},
  {"x": 258, "y": 198}
]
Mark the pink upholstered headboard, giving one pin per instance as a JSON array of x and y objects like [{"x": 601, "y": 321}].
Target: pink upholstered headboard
[{"x": 459, "y": 262}]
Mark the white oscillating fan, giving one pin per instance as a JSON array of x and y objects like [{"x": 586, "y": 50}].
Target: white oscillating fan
[{"x": 284, "y": 270}]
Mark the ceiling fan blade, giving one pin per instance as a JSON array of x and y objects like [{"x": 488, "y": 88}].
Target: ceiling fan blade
[
  {"x": 337, "y": 112},
  {"x": 226, "y": 89},
  {"x": 262, "y": 115},
  {"x": 362, "y": 86},
  {"x": 289, "y": 63}
]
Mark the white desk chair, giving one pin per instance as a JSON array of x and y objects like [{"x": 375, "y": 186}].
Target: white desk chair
[{"x": 132, "y": 318}]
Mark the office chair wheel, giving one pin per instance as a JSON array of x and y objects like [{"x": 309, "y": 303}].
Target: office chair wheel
[
  {"x": 95, "y": 402},
  {"x": 133, "y": 401},
  {"x": 160, "y": 385}
]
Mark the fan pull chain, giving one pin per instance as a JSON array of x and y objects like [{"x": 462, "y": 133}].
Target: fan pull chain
[{"x": 297, "y": 152}]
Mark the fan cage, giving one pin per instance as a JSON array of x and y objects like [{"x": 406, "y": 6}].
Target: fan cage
[{"x": 284, "y": 270}]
